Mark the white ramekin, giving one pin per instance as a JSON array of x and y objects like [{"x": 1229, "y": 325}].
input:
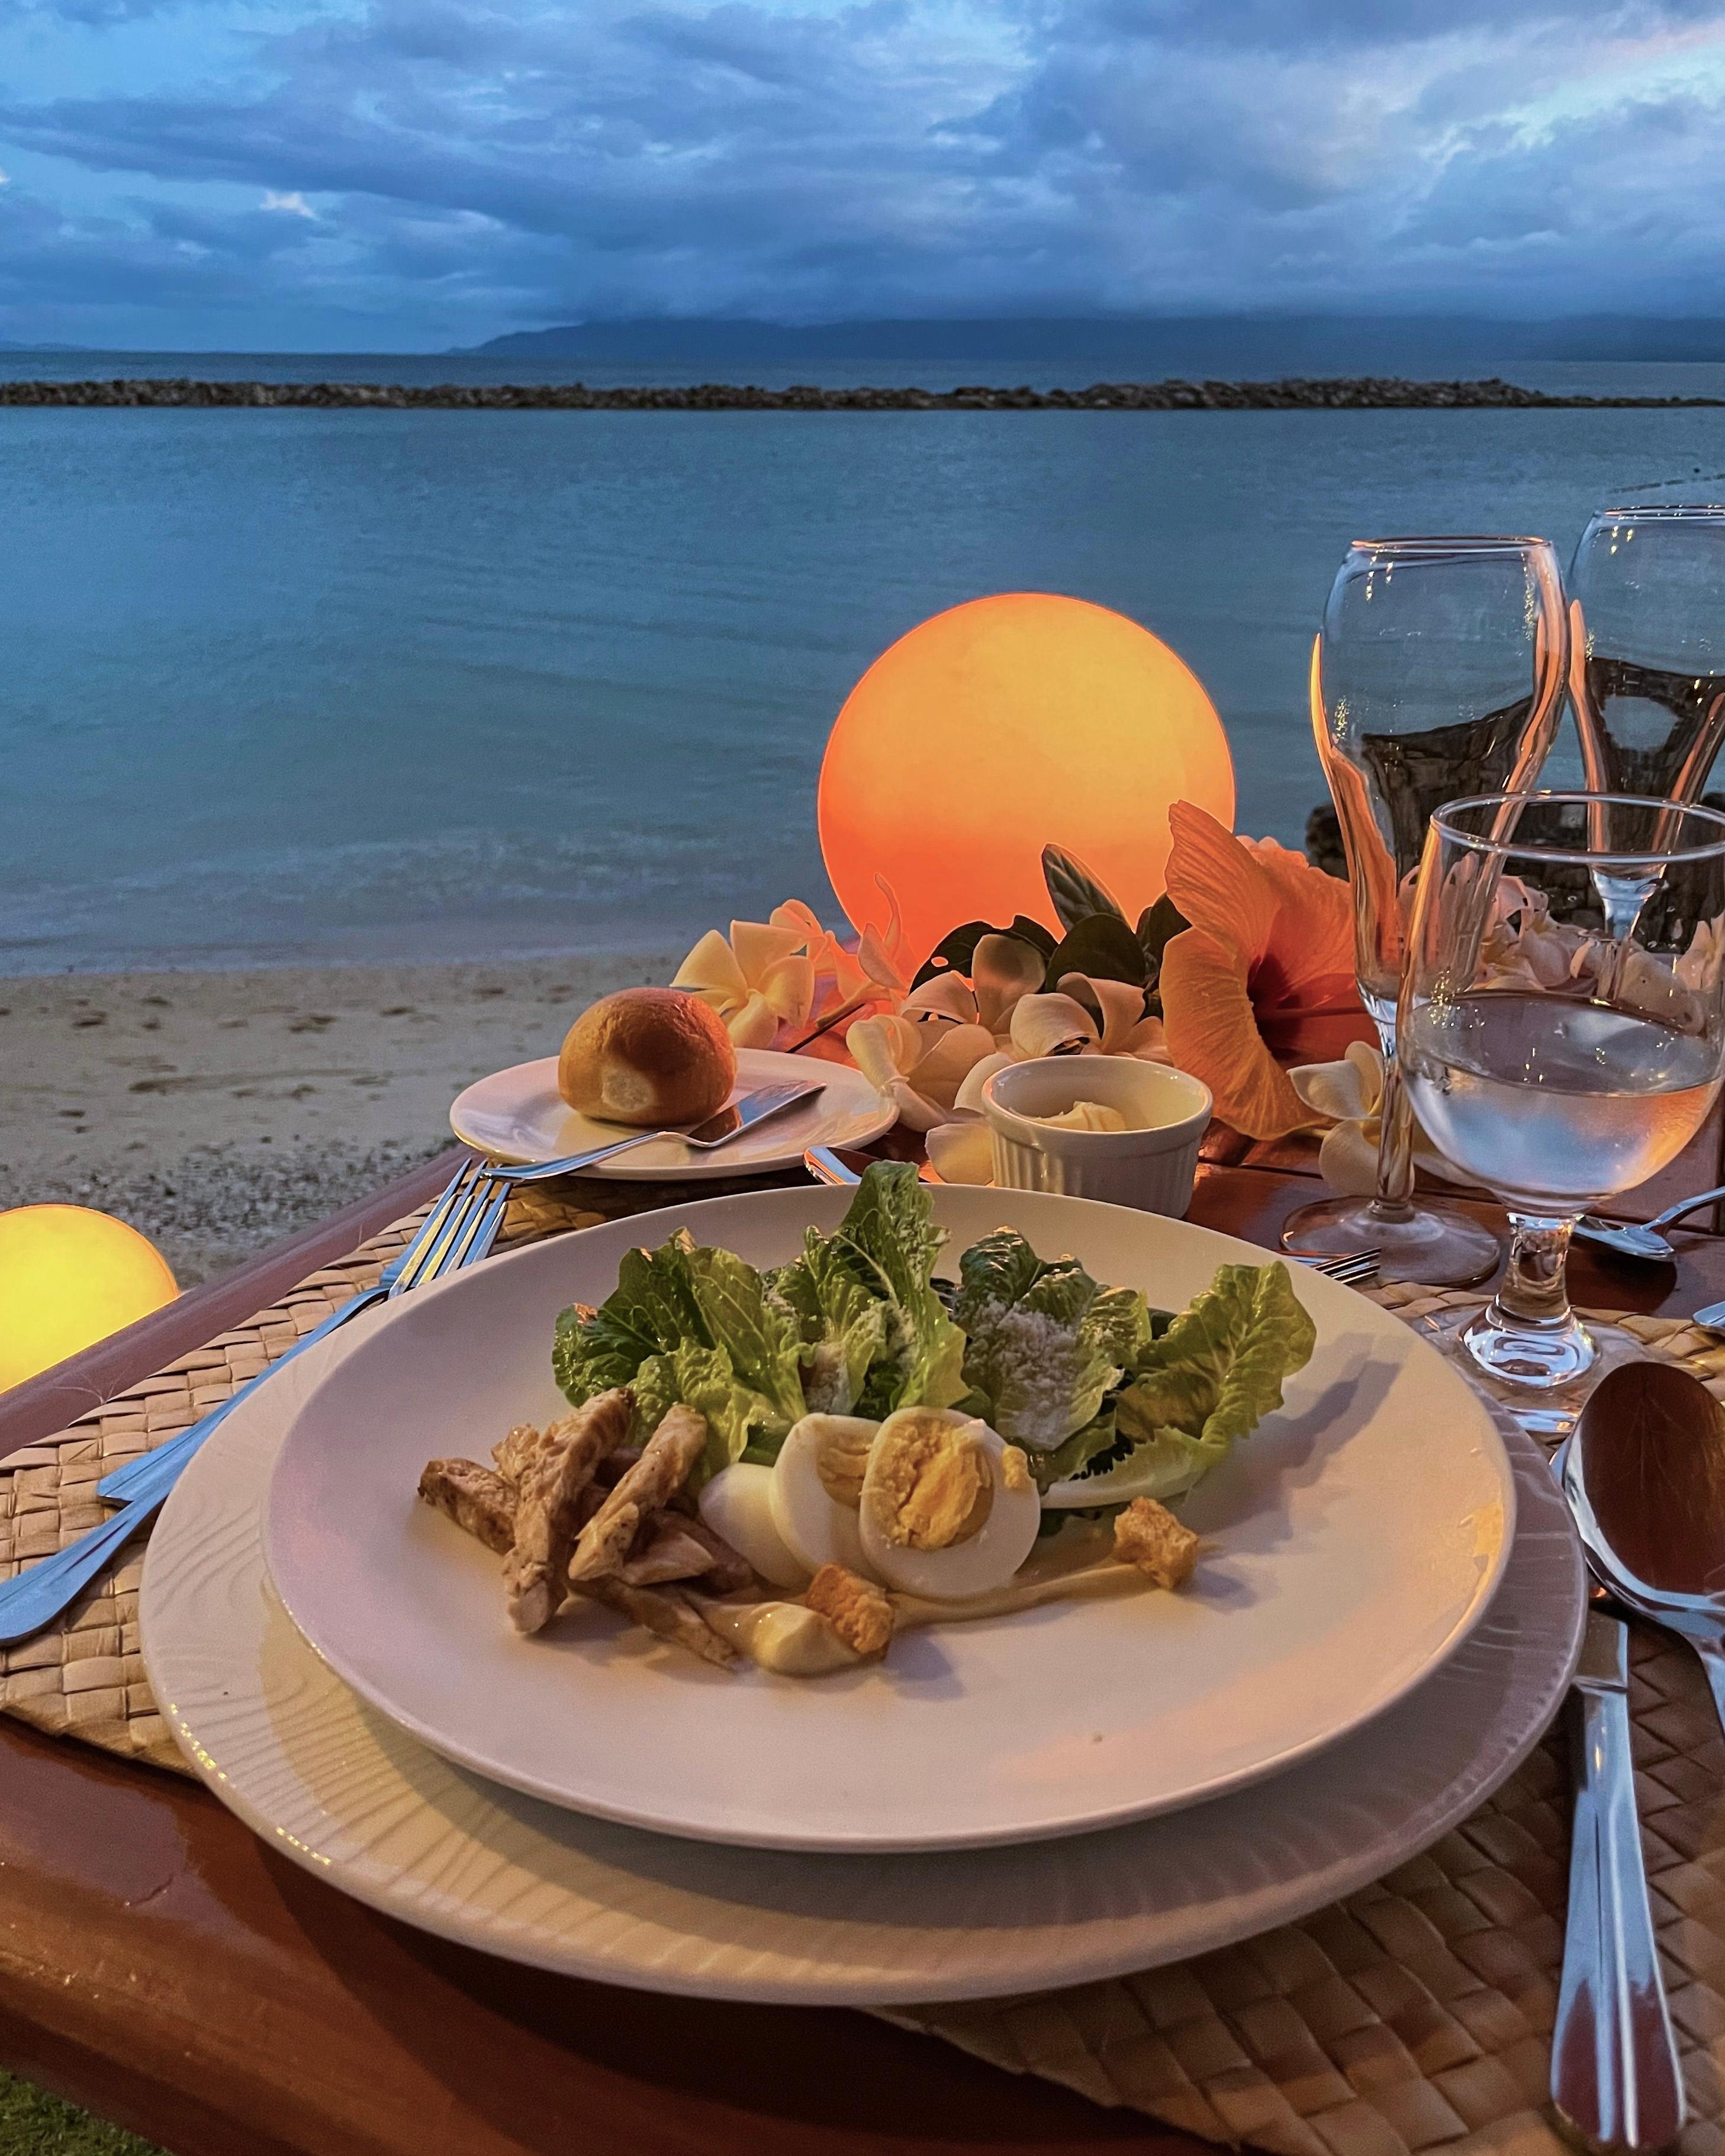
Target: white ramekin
[{"x": 1153, "y": 1167}]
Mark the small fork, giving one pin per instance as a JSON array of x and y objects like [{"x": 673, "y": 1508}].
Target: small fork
[
  {"x": 730, "y": 1122},
  {"x": 458, "y": 1232}
]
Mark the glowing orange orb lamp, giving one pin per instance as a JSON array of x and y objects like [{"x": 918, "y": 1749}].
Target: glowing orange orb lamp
[
  {"x": 997, "y": 728},
  {"x": 69, "y": 1277}
]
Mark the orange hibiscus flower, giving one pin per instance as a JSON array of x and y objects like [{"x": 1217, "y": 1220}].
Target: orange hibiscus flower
[{"x": 1272, "y": 939}]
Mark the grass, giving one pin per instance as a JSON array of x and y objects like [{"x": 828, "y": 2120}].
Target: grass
[{"x": 34, "y": 2125}]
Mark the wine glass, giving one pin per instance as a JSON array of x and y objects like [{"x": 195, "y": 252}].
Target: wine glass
[
  {"x": 1647, "y": 648},
  {"x": 1556, "y": 1063},
  {"x": 1647, "y": 658},
  {"x": 1439, "y": 670}
]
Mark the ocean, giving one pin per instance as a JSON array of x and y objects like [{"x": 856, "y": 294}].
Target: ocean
[{"x": 303, "y": 686}]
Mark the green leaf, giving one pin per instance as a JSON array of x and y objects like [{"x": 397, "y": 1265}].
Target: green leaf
[
  {"x": 845, "y": 1325},
  {"x": 1103, "y": 945},
  {"x": 955, "y": 951},
  {"x": 652, "y": 1310},
  {"x": 738, "y": 1418},
  {"x": 1076, "y": 893},
  {"x": 996, "y": 1270},
  {"x": 1157, "y": 925},
  {"x": 1121, "y": 1319},
  {"x": 586, "y": 1359},
  {"x": 688, "y": 1323},
  {"x": 1031, "y": 1349},
  {"x": 1219, "y": 1368},
  {"x": 888, "y": 1242},
  {"x": 1083, "y": 1449},
  {"x": 1164, "y": 1465},
  {"x": 760, "y": 1335}
]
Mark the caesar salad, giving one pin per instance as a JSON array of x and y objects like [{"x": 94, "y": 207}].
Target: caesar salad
[{"x": 788, "y": 1467}]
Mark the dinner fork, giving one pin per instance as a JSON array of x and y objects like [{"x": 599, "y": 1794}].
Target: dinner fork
[
  {"x": 471, "y": 1211},
  {"x": 458, "y": 1230}
]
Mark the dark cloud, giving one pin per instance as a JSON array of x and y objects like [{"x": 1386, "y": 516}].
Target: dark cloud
[{"x": 474, "y": 166}]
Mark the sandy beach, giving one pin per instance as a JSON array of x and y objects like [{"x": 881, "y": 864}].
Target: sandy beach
[{"x": 219, "y": 1112}]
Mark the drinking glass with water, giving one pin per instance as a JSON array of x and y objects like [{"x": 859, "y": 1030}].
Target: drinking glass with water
[{"x": 1556, "y": 1062}]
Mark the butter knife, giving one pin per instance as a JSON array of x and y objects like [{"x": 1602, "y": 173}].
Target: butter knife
[{"x": 1615, "y": 2083}]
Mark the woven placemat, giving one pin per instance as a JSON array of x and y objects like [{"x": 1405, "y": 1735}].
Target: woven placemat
[
  {"x": 1415, "y": 2014},
  {"x": 84, "y": 1678}
]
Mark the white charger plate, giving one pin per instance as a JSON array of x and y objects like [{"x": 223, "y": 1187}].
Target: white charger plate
[
  {"x": 341, "y": 1791},
  {"x": 1355, "y": 1539},
  {"x": 518, "y": 1116}
]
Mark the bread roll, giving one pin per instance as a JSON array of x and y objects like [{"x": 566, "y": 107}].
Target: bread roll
[{"x": 649, "y": 1057}]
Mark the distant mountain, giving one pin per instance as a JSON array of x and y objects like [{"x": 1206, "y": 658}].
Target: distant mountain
[{"x": 1234, "y": 345}]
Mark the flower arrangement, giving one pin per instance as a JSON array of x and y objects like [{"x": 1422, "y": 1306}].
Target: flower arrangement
[{"x": 1248, "y": 939}]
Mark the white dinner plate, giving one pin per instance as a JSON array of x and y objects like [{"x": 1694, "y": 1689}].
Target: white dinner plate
[
  {"x": 518, "y": 1116},
  {"x": 339, "y": 1789},
  {"x": 1354, "y": 1540}
]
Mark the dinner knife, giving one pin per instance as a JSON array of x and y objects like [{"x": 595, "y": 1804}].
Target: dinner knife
[{"x": 1615, "y": 2080}]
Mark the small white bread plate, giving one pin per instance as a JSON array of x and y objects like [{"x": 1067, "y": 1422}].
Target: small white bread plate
[
  {"x": 518, "y": 1116},
  {"x": 338, "y": 1790},
  {"x": 1355, "y": 1539}
]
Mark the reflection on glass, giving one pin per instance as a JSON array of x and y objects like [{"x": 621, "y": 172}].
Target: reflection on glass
[
  {"x": 1439, "y": 671},
  {"x": 1558, "y": 1064}
]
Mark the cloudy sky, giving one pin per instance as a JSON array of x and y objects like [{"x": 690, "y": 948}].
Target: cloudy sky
[{"x": 411, "y": 174}]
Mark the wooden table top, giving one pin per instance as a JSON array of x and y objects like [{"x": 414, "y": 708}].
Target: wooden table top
[{"x": 164, "y": 1966}]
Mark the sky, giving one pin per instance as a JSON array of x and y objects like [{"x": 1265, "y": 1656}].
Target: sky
[{"x": 410, "y": 175}]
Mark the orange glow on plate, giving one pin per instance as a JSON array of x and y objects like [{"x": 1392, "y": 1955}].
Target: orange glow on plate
[
  {"x": 69, "y": 1277},
  {"x": 999, "y": 728}
]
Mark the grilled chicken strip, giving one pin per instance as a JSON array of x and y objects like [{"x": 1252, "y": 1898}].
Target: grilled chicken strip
[
  {"x": 661, "y": 1470},
  {"x": 547, "y": 1517},
  {"x": 476, "y": 1500}
]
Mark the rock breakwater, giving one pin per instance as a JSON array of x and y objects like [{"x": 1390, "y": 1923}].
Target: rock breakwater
[{"x": 1350, "y": 394}]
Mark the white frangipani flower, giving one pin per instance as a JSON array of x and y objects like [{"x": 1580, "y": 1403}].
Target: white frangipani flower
[
  {"x": 961, "y": 1152},
  {"x": 1351, "y": 1092},
  {"x": 918, "y": 1066},
  {"x": 1003, "y": 970},
  {"x": 760, "y": 980}
]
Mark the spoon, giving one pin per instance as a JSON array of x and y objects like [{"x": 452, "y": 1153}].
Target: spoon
[
  {"x": 1641, "y": 1239},
  {"x": 1645, "y": 1475}
]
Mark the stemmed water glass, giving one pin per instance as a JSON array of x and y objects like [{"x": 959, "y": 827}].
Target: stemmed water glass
[
  {"x": 1647, "y": 650},
  {"x": 1439, "y": 670},
  {"x": 1556, "y": 1063}
]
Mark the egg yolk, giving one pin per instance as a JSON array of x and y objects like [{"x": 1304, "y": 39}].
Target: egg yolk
[{"x": 932, "y": 1483}]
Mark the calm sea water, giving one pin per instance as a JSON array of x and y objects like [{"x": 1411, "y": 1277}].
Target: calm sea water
[{"x": 302, "y": 685}]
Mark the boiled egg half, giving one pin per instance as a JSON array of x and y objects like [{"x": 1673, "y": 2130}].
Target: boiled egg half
[
  {"x": 817, "y": 1487},
  {"x": 949, "y": 1509},
  {"x": 737, "y": 1505}
]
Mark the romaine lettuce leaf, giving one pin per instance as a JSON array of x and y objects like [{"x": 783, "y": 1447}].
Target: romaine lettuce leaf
[
  {"x": 1123, "y": 1322},
  {"x": 651, "y": 1310},
  {"x": 1215, "y": 1373},
  {"x": 738, "y": 1417},
  {"x": 843, "y": 1324},
  {"x": 875, "y": 1334},
  {"x": 1079, "y": 1454},
  {"x": 756, "y": 1331},
  {"x": 1042, "y": 1339},
  {"x": 888, "y": 1236},
  {"x": 688, "y": 1323}
]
